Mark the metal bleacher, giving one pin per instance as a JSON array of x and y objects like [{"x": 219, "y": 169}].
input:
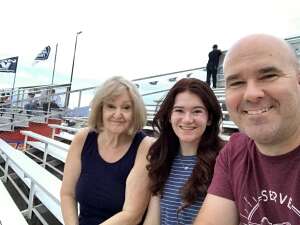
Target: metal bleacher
[
  {"x": 42, "y": 185},
  {"x": 12, "y": 109},
  {"x": 63, "y": 132},
  {"x": 9, "y": 212},
  {"x": 47, "y": 145}
]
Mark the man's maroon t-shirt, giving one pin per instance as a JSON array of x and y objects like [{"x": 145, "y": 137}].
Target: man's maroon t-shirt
[{"x": 266, "y": 189}]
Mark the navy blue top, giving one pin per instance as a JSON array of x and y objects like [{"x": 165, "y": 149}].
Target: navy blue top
[{"x": 100, "y": 189}]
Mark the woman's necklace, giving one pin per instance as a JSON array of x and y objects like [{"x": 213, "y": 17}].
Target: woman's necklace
[{"x": 181, "y": 160}]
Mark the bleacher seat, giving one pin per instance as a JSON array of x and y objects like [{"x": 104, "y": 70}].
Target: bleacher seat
[
  {"x": 47, "y": 145},
  {"x": 9, "y": 212},
  {"x": 42, "y": 184}
]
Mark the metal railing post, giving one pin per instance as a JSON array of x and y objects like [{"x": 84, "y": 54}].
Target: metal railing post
[
  {"x": 45, "y": 155},
  {"x": 79, "y": 100},
  {"x": 30, "y": 199},
  {"x": 6, "y": 170}
]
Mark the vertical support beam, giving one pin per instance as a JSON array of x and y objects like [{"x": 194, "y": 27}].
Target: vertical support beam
[
  {"x": 30, "y": 199},
  {"x": 45, "y": 155},
  {"x": 53, "y": 133},
  {"x": 79, "y": 100},
  {"x": 22, "y": 100},
  {"x": 18, "y": 98},
  {"x": 6, "y": 170},
  {"x": 25, "y": 143}
]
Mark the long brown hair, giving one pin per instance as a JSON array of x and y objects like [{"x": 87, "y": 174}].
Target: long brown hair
[{"x": 166, "y": 147}]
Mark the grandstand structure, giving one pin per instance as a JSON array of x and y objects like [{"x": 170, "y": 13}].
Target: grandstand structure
[{"x": 34, "y": 143}]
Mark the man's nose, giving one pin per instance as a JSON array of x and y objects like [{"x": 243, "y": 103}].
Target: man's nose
[{"x": 253, "y": 91}]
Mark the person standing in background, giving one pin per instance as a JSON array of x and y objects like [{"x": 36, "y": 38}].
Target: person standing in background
[{"x": 212, "y": 65}]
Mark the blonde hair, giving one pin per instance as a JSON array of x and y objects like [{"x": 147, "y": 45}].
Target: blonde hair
[{"x": 110, "y": 89}]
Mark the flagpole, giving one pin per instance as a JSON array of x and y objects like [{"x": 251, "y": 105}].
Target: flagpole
[
  {"x": 13, "y": 87},
  {"x": 54, "y": 64}
]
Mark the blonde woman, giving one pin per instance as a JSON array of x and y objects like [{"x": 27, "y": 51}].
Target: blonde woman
[{"x": 105, "y": 171}]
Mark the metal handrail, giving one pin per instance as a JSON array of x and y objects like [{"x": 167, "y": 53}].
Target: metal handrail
[{"x": 167, "y": 74}]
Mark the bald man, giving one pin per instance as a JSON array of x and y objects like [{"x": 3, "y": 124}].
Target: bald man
[{"x": 257, "y": 174}]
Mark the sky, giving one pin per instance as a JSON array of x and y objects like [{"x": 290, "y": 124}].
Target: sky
[{"x": 131, "y": 38}]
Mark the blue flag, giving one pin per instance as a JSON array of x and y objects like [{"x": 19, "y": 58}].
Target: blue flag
[
  {"x": 9, "y": 65},
  {"x": 44, "y": 54}
]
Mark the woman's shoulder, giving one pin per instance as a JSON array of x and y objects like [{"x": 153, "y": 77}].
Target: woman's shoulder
[
  {"x": 149, "y": 140},
  {"x": 146, "y": 142},
  {"x": 82, "y": 134},
  {"x": 143, "y": 136}
]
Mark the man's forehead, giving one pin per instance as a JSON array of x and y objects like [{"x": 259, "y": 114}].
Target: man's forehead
[
  {"x": 256, "y": 44},
  {"x": 255, "y": 59}
]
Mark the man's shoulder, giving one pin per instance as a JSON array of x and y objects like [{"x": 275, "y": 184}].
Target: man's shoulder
[
  {"x": 215, "y": 53},
  {"x": 238, "y": 137},
  {"x": 237, "y": 144}
]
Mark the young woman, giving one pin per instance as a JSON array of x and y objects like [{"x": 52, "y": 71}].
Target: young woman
[
  {"x": 105, "y": 169},
  {"x": 182, "y": 158}
]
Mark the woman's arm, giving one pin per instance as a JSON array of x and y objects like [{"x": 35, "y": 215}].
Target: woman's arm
[
  {"x": 137, "y": 192},
  {"x": 71, "y": 174},
  {"x": 153, "y": 213}
]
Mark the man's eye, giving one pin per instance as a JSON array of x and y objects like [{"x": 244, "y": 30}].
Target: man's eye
[
  {"x": 269, "y": 77},
  {"x": 235, "y": 84}
]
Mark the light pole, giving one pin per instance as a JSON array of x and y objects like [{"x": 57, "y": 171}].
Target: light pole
[
  {"x": 74, "y": 57},
  {"x": 71, "y": 78}
]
